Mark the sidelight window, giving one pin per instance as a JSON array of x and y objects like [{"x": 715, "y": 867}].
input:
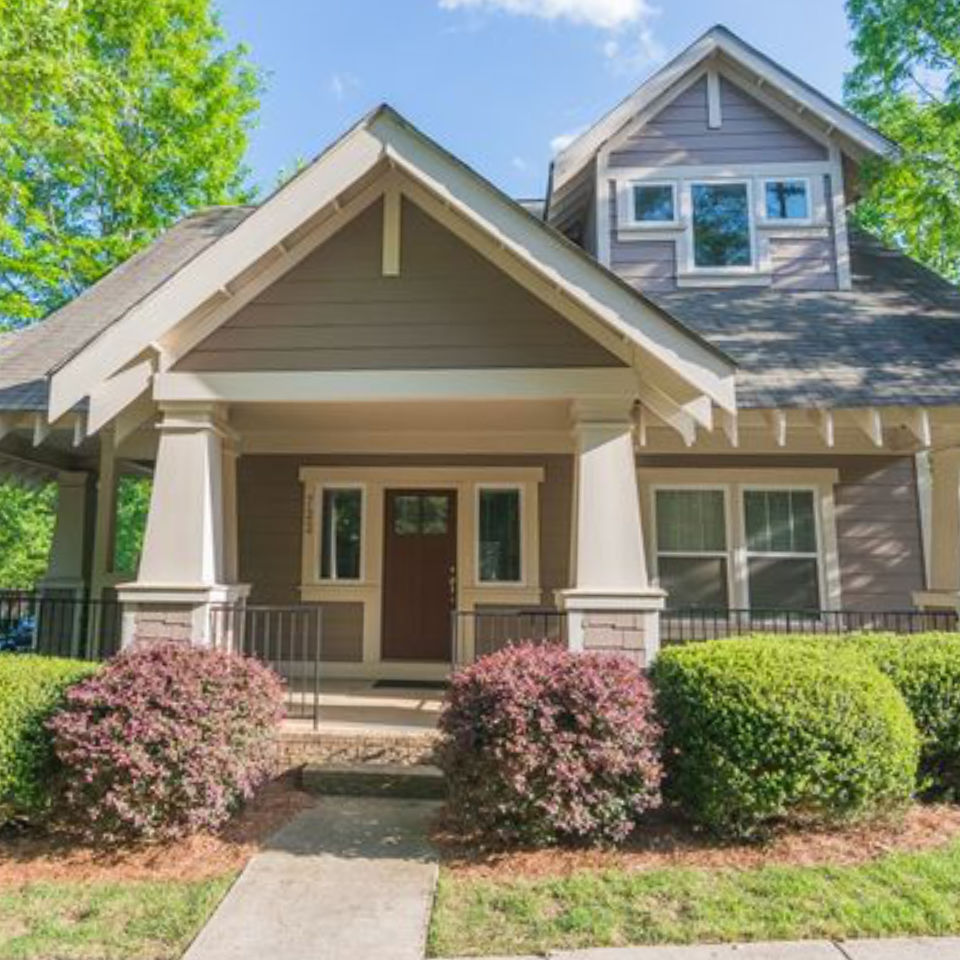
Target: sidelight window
[
  {"x": 499, "y": 534},
  {"x": 341, "y": 533}
]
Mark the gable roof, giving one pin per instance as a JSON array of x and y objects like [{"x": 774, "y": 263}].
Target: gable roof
[
  {"x": 27, "y": 356},
  {"x": 893, "y": 340},
  {"x": 717, "y": 40},
  {"x": 318, "y": 195}
]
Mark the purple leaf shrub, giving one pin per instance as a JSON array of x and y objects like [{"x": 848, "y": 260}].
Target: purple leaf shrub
[
  {"x": 165, "y": 740},
  {"x": 541, "y": 745}
]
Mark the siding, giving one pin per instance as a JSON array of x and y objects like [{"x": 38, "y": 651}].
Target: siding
[
  {"x": 877, "y": 516},
  {"x": 751, "y": 133},
  {"x": 449, "y": 308},
  {"x": 803, "y": 264},
  {"x": 270, "y": 522},
  {"x": 644, "y": 264}
]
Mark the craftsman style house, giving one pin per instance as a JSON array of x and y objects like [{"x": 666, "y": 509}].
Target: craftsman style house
[{"x": 680, "y": 382}]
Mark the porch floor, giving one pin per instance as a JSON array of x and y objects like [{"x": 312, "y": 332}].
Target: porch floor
[{"x": 357, "y": 707}]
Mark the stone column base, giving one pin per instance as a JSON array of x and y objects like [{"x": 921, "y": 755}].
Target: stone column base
[
  {"x": 621, "y": 622},
  {"x": 179, "y": 613}
]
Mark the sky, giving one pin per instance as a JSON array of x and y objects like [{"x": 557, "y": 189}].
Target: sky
[{"x": 499, "y": 83}]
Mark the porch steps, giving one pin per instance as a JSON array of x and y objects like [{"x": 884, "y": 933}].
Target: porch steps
[{"x": 415, "y": 782}]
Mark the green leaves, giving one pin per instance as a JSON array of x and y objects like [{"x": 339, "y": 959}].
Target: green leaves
[
  {"x": 116, "y": 118},
  {"x": 907, "y": 83}
]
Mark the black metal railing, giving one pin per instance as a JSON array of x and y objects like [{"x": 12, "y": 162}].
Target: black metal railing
[
  {"x": 477, "y": 633},
  {"x": 288, "y": 639},
  {"x": 688, "y": 626},
  {"x": 59, "y": 623}
]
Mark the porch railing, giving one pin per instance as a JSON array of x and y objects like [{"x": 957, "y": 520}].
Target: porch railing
[
  {"x": 288, "y": 639},
  {"x": 59, "y": 624},
  {"x": 477, "y": 633}
]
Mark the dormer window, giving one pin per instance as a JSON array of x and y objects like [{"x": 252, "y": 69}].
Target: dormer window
[
  {"x": 787, "y": 200},
  {"x": 654, "y": 203},
  {"x": 722, "y": 232}
]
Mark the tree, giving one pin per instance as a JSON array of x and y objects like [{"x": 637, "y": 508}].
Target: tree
[
  {"x": 907, "y": 83},
  {"x": 26, "y": 529},
  {"x": 117, "y": 117}
]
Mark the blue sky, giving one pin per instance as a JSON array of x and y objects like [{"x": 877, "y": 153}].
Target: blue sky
[{"x": 495, "y": 81}]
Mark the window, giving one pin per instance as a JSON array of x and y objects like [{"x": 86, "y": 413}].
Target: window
[
  {"x": 721, "y": 225},
  {"x": 692, "y": 548},
  {"x": 786, "y": 200},
  {"x": 781, "y": 542},
  {"x": 654, "y": 203},
  {"x": 341, "y": 532},
  {"x": 499, "y": 530},
  {"x": 421, "y": 513}
]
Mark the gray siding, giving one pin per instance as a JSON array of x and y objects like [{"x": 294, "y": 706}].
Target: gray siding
[
  {"x": 450, "y": 307},
  {"x": 270, "y": 524},
  {"x": 803, "y": 264},
  {"x": 644, "y": 264},
  {"x": 878, "y": 522},
  {"x": 750, "y": 133}
]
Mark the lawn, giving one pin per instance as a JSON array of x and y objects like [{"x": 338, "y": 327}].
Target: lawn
[
  {"x": 140, "y": 920},
  {"x": 898, "y": 894}
]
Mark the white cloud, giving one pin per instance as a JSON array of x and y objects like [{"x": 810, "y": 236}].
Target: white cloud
[
  {"x": 563, "y": 140},
  {"x": 633, "y": 52},
  {"x": 607, "y": 14},
  {"x": 340, "y": 84},
  {"x": 518, "y": 163}
]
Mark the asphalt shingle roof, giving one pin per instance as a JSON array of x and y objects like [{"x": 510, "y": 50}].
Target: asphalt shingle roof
[
  {"x": 894, "y": 339},
  {"x": 27, "y": 356}
]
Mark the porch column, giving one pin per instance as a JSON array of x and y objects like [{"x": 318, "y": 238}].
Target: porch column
[
  {"x": 189, "y": 553},
  {"x": 943, "y": 589},
  {"x": 69, "y": 564},
  {"x": 611, "y": 604}
]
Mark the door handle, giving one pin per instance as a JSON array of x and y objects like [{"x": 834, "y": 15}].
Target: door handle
[{"x": 452, "y": 586}]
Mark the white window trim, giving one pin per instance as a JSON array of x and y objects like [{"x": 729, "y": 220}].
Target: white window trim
[
  {"x": 735, "y": 481},
  {"x": 728, "y": 530},
  {"x": 318, "y": 552},
  {"x": 521, "y": 489},
  {"x": 773, "y": 222},
  {"x": 691, "y": 268},
  {"x": 818, "y": 554},
  {"x": 626, "y": 208}
]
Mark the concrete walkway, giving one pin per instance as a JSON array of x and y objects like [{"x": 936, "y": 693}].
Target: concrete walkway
[
  {"x": 351, "y": 879},
  {"x": 923, "y": 948}
]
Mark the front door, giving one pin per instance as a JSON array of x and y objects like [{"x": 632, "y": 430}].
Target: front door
[{"x": 419, "y": 574}]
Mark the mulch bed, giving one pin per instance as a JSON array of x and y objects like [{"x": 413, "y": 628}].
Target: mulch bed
[
  {"x": 668, "y": 842},
  {"x": 31, "y": 856}
]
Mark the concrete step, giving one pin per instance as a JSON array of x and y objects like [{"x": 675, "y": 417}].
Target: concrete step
[{"x": 419, "y": 782}]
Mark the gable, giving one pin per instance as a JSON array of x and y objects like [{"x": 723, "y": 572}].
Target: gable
[
  {"x": 448, "y": 308},
  {"x": 750, "y": 133}
]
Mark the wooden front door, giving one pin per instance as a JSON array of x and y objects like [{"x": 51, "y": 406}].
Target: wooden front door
[{"x": 419, "y": 573}]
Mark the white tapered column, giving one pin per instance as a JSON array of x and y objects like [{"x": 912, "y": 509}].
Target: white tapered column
[
  {"x": 611, "y": 604},
  {"x": 189, "y": 548},
  {"x": 943, "y": 590}
]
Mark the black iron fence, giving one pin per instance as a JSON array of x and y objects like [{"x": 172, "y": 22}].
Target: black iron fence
[
  {"x": 59, "y": 623},
  {"x": 288, "y": 639},
  {"x": 476, "y": 633}
]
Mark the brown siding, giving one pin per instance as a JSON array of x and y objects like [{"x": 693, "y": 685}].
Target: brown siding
[
  {"x": 751, "y": 133},
  {"x": 449, "y": 308},
  {"x": 269, "y": 536},
  {"x": 878, "y": 522}
]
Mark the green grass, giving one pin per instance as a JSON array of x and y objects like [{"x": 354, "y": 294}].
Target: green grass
[
  {"x": 103, "y": 921},
  {"x": 901, "y": 894}
]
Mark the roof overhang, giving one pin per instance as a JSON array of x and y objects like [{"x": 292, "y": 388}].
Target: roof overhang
[
  {"x": 382, "y": 152},
  {"x": 718, "y": 41}
]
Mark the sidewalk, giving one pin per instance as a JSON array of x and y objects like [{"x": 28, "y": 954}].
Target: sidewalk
[
  {"x": 351, "y": 879},
  {"x": 924, "y": 948}
]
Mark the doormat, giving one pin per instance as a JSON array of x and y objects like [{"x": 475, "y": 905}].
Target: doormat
[{"x": 410, "y": 685}]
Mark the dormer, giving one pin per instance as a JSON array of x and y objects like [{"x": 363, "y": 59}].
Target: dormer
[{"x": 723, "y": 169}]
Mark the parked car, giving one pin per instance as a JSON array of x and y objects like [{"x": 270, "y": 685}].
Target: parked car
[{"x": 18, "y": 636}]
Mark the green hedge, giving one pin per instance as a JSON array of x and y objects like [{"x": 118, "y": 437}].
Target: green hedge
[
  {"x": 31, "y": 688},
  {"x": 760, "y": 732}
]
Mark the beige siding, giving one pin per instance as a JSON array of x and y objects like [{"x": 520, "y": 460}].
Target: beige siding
[
  {"x": 270, "y": 524},
  {"x": 751, "y": 133},
  {"x": 449, "y": 308}
]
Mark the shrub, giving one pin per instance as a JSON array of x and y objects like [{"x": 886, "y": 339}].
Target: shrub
[
  {"x": 925, "y": 668},
  {"x": 759, "y": 733},
  {"x": 540, "y": 745},
  {"x": 166, "y": 739},
  {"x": 30, "y": 690}
]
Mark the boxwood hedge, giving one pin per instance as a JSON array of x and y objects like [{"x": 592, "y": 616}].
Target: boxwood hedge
[
  {"x": 31, "y": 689},
  {"x": 760, "y": 732}
]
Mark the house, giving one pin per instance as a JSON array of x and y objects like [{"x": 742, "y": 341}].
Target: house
[{"x": 681, "y": 382}]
